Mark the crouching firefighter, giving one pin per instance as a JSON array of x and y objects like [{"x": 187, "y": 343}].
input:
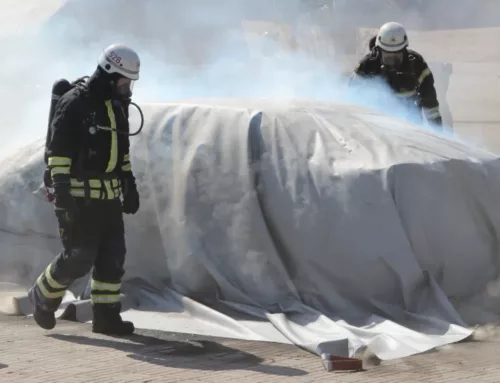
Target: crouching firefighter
[
  {"x": 87, "y": 154},
  {"x": 404, "y": 70}
]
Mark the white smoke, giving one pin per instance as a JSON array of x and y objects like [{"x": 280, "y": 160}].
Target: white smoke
[{"x": 189, "y": 49}]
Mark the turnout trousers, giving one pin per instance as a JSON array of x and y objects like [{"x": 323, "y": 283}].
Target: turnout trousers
[{"x": 96, "y": 239}]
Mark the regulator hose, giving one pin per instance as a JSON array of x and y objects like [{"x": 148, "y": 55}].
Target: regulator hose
[
  {"x": 142, "y": 120},
  {"x": 84, "y": 79}
]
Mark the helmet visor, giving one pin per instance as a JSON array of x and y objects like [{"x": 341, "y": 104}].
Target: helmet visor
[
  {"x": 124, "y": 87},
  {"x": 392, "y": 59}
]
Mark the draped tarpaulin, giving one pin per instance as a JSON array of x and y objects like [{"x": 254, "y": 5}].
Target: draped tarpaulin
[{"x": 327, "y": 226}]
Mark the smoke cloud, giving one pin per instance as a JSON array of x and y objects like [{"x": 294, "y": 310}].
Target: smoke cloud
[{"x": 199, "y": 49}]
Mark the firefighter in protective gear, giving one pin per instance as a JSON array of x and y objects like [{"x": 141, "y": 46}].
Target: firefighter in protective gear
[
  {"x": 404, "y": 70},
  {"x": 91, "y": 173}
]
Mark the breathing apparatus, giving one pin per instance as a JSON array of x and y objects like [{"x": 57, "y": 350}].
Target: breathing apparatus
[
  {"x": 117, "y": 60},
  {"x": 62, "y": 86}
]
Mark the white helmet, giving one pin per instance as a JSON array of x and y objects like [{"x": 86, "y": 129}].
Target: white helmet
[
  {"x": 392, "y": 37},
  {"x": 118, "y": 58}
]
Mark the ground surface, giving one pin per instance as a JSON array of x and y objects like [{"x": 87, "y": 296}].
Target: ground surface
[{"x": 72, "y": 353}]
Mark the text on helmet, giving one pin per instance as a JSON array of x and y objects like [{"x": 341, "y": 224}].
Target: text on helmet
[{"x": 114, "y": 57}]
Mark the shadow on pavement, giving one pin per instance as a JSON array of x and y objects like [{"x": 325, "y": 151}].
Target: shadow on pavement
[
  {"x": 186, "y": 354},
  {"x": 3, "y": 366}
]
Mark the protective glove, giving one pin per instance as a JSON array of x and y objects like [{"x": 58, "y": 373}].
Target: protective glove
[
  {"x": 66, "y": 208},
  {"x": 130, "y": 204}
]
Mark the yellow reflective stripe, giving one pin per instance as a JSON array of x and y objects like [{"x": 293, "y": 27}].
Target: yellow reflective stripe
[
  {"x": 46, "y": 293},
  {"x": 96, "y": 194},
  {"x": 126, "y": 166},
  {"x": 407, "y": 94},
  {"x": 93, "y": 183},
  {"x": 113, "y": 155},
  {"x": 432, "y": 113},
  {"x": 59, "y": 161},
  {"x": 109, "y": 191},
  {"x": 51, "y": 281},
  {"x": 81, "y": 193},
  {"x": 96, "y": 285},
  {"x": 426, "y": 72},
  {"x": 60, "y": 170},
  {"x": 110, "y": 298}
]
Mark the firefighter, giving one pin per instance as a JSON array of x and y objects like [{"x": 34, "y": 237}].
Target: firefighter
[
  {"x": 404, "y": 70},
  {"x": 93, "y": 183}
]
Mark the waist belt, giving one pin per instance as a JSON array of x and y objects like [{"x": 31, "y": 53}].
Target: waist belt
[{"x": 103, "y": 187}]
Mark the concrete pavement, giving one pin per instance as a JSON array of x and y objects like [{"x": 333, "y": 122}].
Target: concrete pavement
[{"x": 72, "y": 353}]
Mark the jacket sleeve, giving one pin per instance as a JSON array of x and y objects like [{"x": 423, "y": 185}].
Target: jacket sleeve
[
  {"x": 427, "y": 92},
  {"x": 127, "y": 178},
  {"x": 125, "y": 170},
  {"x": 63, "y": 145},
  {"x": 360, "y": 73},
  {"x": 359, "y": 69}
]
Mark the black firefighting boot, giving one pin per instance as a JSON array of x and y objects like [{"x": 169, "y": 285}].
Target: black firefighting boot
[
  {"x": 43, "y": 318},
  {"x": 107, "y": 320}
]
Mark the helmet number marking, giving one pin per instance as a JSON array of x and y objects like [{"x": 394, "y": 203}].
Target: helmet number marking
[{"x": 114, "y": 57}]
